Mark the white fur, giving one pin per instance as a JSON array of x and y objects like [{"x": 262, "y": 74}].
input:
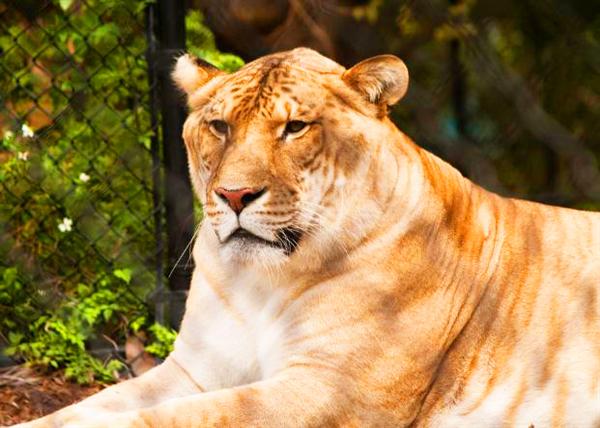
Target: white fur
[
  {"x": 186, "y": 73},
  {"x": 189, "y": 76},
  {"x": 234, "y": 348}
]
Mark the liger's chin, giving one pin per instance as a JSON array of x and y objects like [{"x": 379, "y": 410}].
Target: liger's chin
[
  {"x": 247, "y": 248},
  {"x": 252, "y": 254}
]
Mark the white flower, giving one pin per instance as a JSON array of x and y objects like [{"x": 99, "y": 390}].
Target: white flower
[
  {"x": 84, "y": 177},
  {"x": 24, "y": 156},
  {"x": 66, "y": 225},
  {"x": 27, "y": 131},
  {"x": 8, "y": 135}
]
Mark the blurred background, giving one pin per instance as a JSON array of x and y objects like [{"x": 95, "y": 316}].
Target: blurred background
[{"x": 96, "y": 211}]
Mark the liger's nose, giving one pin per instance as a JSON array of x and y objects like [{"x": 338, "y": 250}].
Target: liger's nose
[{"x": 238, "y": 199}]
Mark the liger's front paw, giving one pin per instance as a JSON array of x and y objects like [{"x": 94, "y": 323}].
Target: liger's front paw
[{"x": 84, "y": 418}]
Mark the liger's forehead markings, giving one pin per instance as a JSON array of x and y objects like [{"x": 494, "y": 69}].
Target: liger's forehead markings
[{"x": 256, "y": 89}]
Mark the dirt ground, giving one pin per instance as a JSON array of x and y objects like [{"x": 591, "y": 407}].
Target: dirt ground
[{"x": 26, "y": 394}]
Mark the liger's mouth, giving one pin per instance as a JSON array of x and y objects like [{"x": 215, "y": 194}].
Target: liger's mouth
[{"x": 287, "y": 239}]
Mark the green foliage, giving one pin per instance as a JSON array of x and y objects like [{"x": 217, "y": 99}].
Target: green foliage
[
  {"x": 76, "y": 211},
  {"x": 164, "y": 338},
  {"x": 201, "y": 42},
  {"x": 58, "y": 339}
]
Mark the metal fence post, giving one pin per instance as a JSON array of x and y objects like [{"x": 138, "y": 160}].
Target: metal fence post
[{"x": 178, "y": 193}]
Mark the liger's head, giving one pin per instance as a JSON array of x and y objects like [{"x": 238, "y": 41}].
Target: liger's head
[{"x": 276, "y": 148}]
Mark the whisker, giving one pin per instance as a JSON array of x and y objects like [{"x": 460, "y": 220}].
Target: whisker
[{"x": 194, "y": 235}]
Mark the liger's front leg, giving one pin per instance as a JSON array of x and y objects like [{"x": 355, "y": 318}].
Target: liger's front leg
[
  {"x": 167, "y": 381},
  {"x": 295, "y": 398}
]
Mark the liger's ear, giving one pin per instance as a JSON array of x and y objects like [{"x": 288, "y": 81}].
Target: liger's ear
[
  {"x": 190, "y": 73},
  {"x": 382, "y": 79}
]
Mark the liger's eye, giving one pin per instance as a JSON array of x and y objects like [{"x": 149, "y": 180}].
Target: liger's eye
[
  {"x": 218, "y": 127},
  {"x": 295, "y": 126}
]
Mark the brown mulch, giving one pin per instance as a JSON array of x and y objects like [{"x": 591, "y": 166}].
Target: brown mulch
[{"x": 26, "y": 394}]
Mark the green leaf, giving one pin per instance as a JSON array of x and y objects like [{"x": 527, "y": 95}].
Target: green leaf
[
  {"x": 123, "y": 274},
  {"x": 137, "y": 323},
  {"x": 15, "y": 338},
  {"x": 65, "y": 4}
]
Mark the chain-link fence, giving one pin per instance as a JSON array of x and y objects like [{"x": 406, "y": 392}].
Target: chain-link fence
[{"x": 81, "y": 208}]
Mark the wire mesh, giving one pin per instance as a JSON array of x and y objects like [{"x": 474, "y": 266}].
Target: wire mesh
[{"x": 79, "y": 159}]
